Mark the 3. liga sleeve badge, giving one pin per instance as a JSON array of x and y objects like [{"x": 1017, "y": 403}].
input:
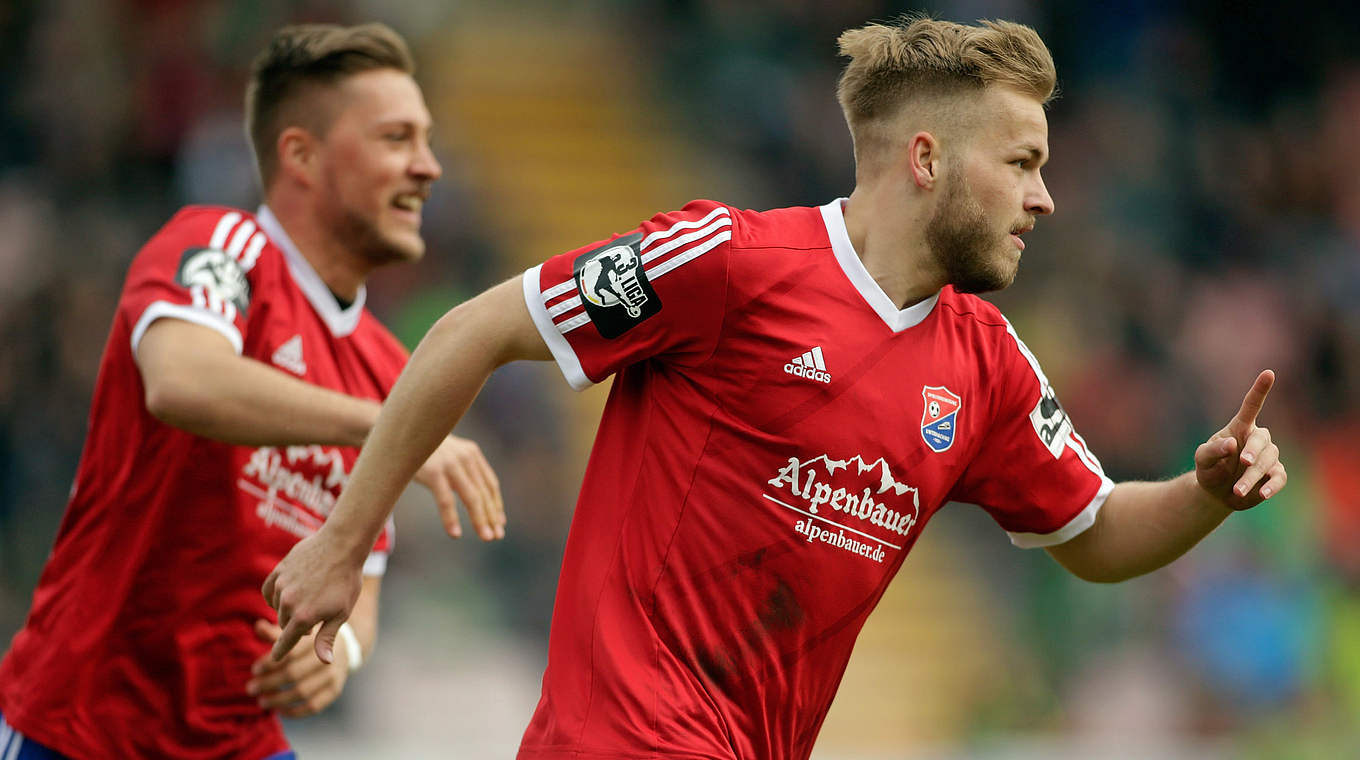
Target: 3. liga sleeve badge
[
  {"x": 613, "y": 286},
  {"x": 215, "y": 278},
  {"x": 939, "y": 417}
]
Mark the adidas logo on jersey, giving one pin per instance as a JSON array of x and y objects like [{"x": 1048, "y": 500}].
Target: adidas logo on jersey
[
  {"x": 289, "y": 356},
  {"x": 810, "y": 365}
]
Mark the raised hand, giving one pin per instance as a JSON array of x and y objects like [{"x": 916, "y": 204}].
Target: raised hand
[{"x": 1240, "y": 465}]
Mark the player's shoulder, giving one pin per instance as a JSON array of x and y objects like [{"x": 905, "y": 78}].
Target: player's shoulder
[
  {"x": 980, "y": 324},
  {"x": 792, "y": 228},
  {"x": 201, "y": 222},
  {"x": 968, "y": 309},
  {"x": 237, "y": 233},
  {"x": 796, "y": 227},
  {"x": 698, "y": 218},
  {"x": 975, "y": 319}
]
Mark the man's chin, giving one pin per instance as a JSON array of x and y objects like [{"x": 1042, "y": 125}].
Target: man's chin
[
  {"x": 401, "y": 247},
  {"x": 990, "y": 281}
]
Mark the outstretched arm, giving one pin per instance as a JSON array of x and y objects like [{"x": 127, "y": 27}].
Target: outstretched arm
[
  {"x": 318, "y": 582},
  {"x": 1144, "y": 526}
]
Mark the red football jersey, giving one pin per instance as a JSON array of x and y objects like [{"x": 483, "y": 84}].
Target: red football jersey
[
  {"x": 139, "y": 642},
  {"x": 777, "y": 435}
]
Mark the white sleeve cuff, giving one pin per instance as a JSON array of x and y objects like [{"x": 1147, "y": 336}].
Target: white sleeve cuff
[
  {"x": 376, "y": 564},
  {"x": 1083, "y": 520},
  {"x": 193, "y": 314},
  {"x": 557, "y": 343}
]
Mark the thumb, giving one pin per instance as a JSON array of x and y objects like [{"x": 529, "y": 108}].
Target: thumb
[
  {"x": 266, "y": 631},
  {"x": 324, "y": 643}
]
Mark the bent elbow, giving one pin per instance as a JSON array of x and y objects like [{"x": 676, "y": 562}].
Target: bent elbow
[
  {"x": 1103, "y": 576},
  {"x": 171, "y": 401},
  {"x": 1094, "y": 570}
]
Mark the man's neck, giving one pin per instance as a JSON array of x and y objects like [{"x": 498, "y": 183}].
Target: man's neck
[
  {"x": 343, "y": 271},
  {"x": 890, "y": 241}
]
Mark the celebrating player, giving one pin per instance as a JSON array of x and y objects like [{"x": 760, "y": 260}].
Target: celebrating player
[
  {"x": 241, "y": 375},
  {"x": 795, "y": 393}
]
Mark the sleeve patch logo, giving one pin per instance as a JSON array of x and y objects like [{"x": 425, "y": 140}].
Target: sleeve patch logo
[
  {"x": 614, "y": 288},
  {"x": 215, "y": 276},
  {"x": 1051, "y": 422}
]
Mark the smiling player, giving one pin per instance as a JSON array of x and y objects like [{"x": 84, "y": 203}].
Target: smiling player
[{"x": 241, "y": 374}]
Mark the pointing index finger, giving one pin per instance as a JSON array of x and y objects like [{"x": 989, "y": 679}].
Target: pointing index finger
[
  {"x": 1255, "y": 399},
  {"x": 292, "y": 634}
]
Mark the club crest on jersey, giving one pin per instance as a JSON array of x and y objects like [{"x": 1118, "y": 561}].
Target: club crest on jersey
[
  {"x": 939, "y": 417},
  {"x": 613, "y": 286},
  {"x": 217, "y": 274}
]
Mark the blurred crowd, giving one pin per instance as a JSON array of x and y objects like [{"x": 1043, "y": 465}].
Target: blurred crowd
[{"x": 1206, "y": 174}]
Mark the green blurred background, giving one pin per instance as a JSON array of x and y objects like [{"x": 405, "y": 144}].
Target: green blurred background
[{"x": 1206, "y": 173}]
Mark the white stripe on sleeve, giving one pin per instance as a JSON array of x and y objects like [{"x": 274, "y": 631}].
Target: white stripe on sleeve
[
  {"x": 252, "y": 253},
  {"x": 689, "y": 255},
  {"x": 224, "y": 225},
  {"x": 674, "y": 228},
  {"x": 651, "y": 254},
  {"x": 677, "y": 226},
  {"x": 563, "y": 287},
  {"x": 238, "y": 241},
  {"x": 568, "y": 325},
  {"x": 558, "y": 289},
  {"x": 562, "y": 351}
]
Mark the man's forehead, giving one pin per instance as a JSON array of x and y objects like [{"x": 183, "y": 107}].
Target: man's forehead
[
  {"x": 1015, "y": 117},
  {"x": 383, "y": 95}
]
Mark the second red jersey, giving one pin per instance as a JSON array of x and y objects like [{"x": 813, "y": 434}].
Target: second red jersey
[
  {"x": 139, "y": 641},
  {"x": 777, "y": 435}
]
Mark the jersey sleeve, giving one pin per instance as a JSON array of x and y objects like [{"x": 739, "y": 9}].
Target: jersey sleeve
[
  {"x": 1034, "y": 474},
  {"x": 658, "y": 291},
  {"x": 376, "y": 561},
  {"x": 197, "y": 268}
]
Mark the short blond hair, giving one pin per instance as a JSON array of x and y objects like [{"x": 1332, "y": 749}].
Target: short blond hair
[
  {"x": 917, "y": 59},
  {"x": 302, "y": 59}
]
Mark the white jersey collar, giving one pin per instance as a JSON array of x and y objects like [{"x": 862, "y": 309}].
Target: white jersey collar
[
  {"x": 340, "y": 321},
  {"x": 833, "y": 214}
]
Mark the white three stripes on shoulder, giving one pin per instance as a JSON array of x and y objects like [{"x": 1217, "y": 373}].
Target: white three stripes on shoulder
[
  {"x": 651, "y": 250},
  {"x": 663, "y": 234},
  {"x": 245, "y": 245},
  {"x": 652, "y": 274},
  {"x": 224, "y": 226},
  {"x": 649, "y": 255}
]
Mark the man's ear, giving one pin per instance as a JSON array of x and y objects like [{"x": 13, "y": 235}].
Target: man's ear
[
  {"x": 297, "y": 150},
  {"x": 923, "y": 159}
]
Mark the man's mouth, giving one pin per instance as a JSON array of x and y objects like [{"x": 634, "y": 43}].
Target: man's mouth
[{"x": 412, "y": 202}]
